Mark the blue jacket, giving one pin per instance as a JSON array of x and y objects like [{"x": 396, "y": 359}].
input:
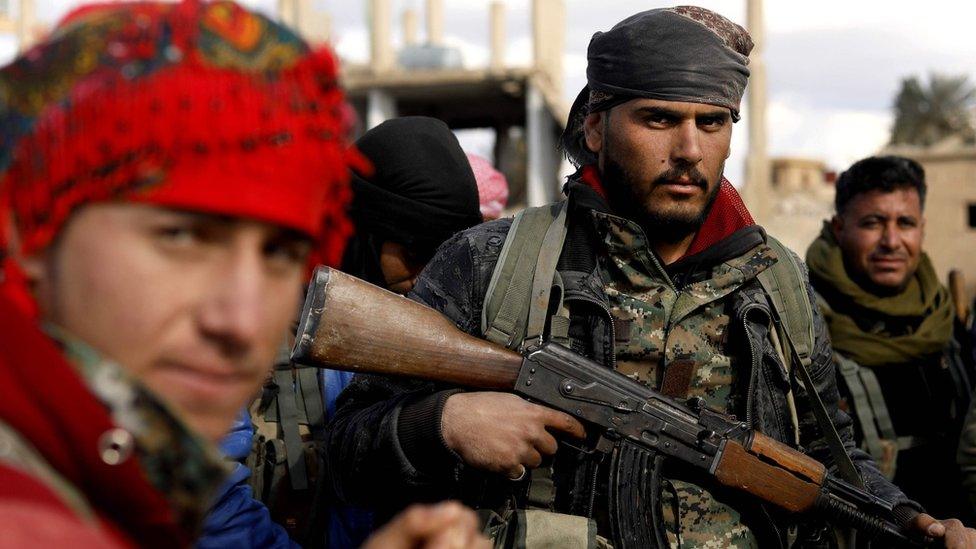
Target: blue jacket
[{"x": 236, "y": 518}]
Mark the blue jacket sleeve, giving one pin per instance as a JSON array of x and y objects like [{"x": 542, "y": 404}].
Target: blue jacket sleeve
[{"x": 236, "y": 518}]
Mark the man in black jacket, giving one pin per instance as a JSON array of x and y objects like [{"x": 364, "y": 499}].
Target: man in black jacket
[{"x": 659, "y": 272}]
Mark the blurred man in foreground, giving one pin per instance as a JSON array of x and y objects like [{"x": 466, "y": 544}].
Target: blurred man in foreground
[{"x": 170, "y": 172}]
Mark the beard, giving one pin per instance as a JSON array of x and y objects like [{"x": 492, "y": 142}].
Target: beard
[{"x": 630, "y": 197}]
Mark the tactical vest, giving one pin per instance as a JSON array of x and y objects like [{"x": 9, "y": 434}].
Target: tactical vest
[
  {"x": 287, "y": 472},
  {"x": 524, "y": 305}
]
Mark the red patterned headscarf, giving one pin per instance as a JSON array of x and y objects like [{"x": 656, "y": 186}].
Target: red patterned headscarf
[{"x": 193, "y": 105}]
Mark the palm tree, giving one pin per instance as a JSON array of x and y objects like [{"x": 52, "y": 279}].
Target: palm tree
[{"x": 927, "y": 114}]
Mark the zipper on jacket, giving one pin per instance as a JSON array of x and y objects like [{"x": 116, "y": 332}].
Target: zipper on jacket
[{"x": 754, "y": 362}]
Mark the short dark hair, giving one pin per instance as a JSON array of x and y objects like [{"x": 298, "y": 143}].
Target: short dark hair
[{"x": 879, "y": 173}]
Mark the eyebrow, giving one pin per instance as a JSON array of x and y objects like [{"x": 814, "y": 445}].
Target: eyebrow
[
  {"x": 876, "y": 215},
  {"x": 671, "y": 113},
  {"x": 660, "y": 111}
]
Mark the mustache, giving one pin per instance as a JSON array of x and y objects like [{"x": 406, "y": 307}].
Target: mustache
[
  {"x": 675, "y": 175},
  {"x": 889, "y": 255}
]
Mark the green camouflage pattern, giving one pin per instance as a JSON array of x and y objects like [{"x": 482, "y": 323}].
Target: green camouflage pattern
[
  {"x": 184, "y": 467},
  {"x": 657, "y": 323}
]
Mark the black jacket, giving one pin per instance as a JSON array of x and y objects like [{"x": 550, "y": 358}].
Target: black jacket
[{"x": 385, "y": 444}]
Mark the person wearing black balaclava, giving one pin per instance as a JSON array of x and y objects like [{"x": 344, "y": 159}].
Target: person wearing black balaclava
[{"x": 421, "y": 192}]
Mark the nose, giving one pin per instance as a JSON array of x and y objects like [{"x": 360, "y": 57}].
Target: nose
[
  {"x": 686, "y": 147},
  {"x": 890, "y": 237},
  {"x": 232, "y": 314}
]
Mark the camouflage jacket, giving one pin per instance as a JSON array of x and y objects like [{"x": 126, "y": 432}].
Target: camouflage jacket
[{"x": 385, "y": 445}]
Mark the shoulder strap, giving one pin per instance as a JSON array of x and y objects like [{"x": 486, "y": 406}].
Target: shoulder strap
[
  {"x": 517, "y": 301},
  {"x": 785, "y": 284},
  {"x": 793, "y": 308},
  {"x": 870, "y": 410},
  {"x": 516, "y": 304}
]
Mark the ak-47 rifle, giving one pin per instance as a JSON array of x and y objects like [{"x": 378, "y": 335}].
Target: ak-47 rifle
[{"x": 348, "y": 324}]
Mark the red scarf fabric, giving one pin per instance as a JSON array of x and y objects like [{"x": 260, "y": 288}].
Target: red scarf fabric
[
  {"x": 45, "y": 401},
  {"x": 728, "y": 213}
]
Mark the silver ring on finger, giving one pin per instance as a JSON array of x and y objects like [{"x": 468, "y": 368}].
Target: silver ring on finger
[{"x": 520, "y": 477}]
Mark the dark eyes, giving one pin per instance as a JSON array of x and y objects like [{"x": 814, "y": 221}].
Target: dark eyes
[
  {"x": 288, "y": 251},
  {"x": 904, "y": 223},
  {"x": 663, "y": 120},
  {"x": 709, "y": 122},
  {"x": 179, "y": 234}
]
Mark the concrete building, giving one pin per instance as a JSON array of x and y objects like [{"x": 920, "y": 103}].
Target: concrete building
[
  {"x": 756, "y": 191},
  {"x": 950, "y": 208},
  {"x": 17, "y": 17},
  {"x": 522, "y": 106},
  {"x": 800, "y": 197}
]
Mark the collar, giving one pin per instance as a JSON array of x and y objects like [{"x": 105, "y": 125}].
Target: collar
[
  {"x": 186, "y": 469},
  {"x": 726, "y": 264},
  {"x": 46, "y": 401},
  {"x": 727, "y": 215}
]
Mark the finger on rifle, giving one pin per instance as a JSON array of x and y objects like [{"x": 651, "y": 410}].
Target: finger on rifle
[
  {"x": 929, "y": 525},
  {"x": 544, "y": 442},
  {"x": 530, "y": 457},
  {"x": 560, "y": 421}
]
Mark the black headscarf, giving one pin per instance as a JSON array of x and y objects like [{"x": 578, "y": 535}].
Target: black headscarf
[
  {"x": 685, "y": 53},
  {"x": 422, "y": 191}
]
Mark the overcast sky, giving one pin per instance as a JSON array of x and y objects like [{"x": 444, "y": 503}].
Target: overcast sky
[{"x": 833, "y": 66}]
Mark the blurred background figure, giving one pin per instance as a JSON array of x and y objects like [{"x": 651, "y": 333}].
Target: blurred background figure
[
  {"x": 420, "y": 191},
  {"x": 893, "y": 330},
  {"x": 492, "y": 187}
]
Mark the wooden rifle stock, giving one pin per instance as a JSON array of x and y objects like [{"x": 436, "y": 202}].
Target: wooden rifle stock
[
  {"x": 349, "y": 324},
  {"x": 772, "y": 471}
]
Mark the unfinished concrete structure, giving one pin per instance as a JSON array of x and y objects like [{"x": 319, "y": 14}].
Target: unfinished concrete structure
[
  {"x": 950, "y": 206},
  {"x": 798, "y": 198},
  {"x": 17, "y": 17},
  {"x": 314, "y": 25},
  {"x": 524, "y": 106},
  {"x": 756, "y": 189}
]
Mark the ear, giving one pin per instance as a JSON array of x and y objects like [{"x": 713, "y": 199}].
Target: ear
[
  {"x": 593, "y": 131},
  {"x": 837, "y": 225}
]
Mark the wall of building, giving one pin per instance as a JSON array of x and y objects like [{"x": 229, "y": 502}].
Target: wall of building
[
  {"x": 950, "y": 237},
  {"x": 799, "y": 202}
]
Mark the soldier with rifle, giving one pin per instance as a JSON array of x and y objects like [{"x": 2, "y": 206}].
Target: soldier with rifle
[{"x": 653, "y": 269}]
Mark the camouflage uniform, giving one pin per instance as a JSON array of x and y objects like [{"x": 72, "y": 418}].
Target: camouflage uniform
[
  {"x": 658, "y": 322},
  {"x": 385, "y": 444}
]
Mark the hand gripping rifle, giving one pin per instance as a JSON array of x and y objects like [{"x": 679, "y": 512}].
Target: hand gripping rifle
[{"x": 348, "y": 324}]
